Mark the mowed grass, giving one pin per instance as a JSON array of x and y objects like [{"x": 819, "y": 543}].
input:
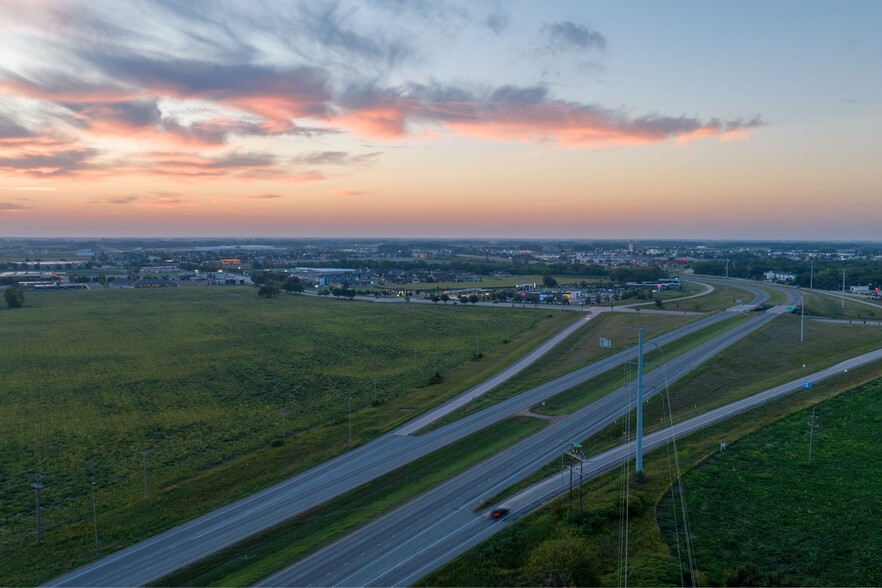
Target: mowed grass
[
  {"x": 831, "y": 306},
  {"x": 557, "y": 545},
  {"x": 759, "y": 515},
  {"x": 576, "y": 397},
  {"x": 770, "y": 356},
  {"x": 263, "y": 554},
  {"x": 578, "y": 350},
  {"x": 199, "y": 378}
]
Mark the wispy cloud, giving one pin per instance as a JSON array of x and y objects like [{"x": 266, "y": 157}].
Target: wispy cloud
[
  {"x": 122, "y": 199},
  {"x": 570, "y": 36},
  {"x": 161, "y": 202},
  {"x": 517, "y": 113},
  {"x": 337, "y": 158},
  {"x": 13, "y": 208},
  {"x": 263, "y": 196},
  {"x": 498, "y": 20},
  {"x": 349, "y": 192},
  {"x": 59, "y": 163}
]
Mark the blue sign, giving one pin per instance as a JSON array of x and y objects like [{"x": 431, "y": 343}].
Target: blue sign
[{"x": 806, "y": 384}]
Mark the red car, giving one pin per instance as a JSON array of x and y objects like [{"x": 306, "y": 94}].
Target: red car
[{"x": 498, "y": 513}]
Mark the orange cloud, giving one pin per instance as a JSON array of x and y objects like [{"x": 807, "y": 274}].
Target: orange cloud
[
  {"x": 346, "y": 192},
  {"x": 263, "y": 196},
  {"x": 568, "y": 124}
]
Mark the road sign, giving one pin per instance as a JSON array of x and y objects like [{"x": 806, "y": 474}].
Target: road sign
[
  {"x": 605, "y": 342},
  {"x": 806, "y": 385}
]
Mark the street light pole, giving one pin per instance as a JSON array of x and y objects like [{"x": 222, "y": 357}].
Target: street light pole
[
  {"x": 350, "y": 421},
  {"x": 639, "y": 468}
]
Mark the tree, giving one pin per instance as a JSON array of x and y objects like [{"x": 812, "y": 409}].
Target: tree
[
  {"x": 293, "y": 284},
  {"x": 14, "y": 297},
  {"x": 549, "y": 281},
  {"x": 473, "y": 298},
  {"x": 445, "y": 298},
  {"x": 564, "y": 561},
  {"x": 268, "y": 292}
]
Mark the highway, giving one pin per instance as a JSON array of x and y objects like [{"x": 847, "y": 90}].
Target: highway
[
  {"x": 162, "y": 554},
  {"x": 405, "y": 544}
]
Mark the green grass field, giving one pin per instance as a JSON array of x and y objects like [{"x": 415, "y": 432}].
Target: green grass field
[
  {"x": 759, "y": 515},
  {"x": 825, "y": 305},
  {"x": 198, "y": 377}
]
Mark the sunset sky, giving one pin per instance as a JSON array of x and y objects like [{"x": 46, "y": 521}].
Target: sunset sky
[{"x": 405, "y": 118}]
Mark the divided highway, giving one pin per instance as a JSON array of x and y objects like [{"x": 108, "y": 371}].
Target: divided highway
[
  {"x": 162, "y": 554},
  {"x": 407, "y": 543}
]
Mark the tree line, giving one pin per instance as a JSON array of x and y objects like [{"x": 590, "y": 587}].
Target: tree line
[{"x": 825, "y": 275}]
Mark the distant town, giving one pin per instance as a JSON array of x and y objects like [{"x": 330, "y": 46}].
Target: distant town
[{"x": 562, "y": 272}]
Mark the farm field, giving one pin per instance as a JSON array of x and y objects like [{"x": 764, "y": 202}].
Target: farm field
[{"x": 199, "y": 379}]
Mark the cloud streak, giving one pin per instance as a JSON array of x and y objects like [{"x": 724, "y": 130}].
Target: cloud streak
[
  {"x": 512, "y": 113},
  {"x": 263, "y": 197},
  {"x": 12, "y": 207}
]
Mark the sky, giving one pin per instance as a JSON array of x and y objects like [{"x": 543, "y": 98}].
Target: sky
[{"x": 403, "y": 118}]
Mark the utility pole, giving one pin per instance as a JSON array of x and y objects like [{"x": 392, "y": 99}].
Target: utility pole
[
  {"x": 639, "y": 468},
  {"x": 575, "y": 452},
  {"x": 843, "y": 288},
  {"x": 283, "y": 424},
  {"x": 38, "y": 485},
  {"x": 350, "y": 420},
  {"x": 94, "y": 515},
  {"x": 802, "y": 321},
  {"x": 727, "y": 269},
  {"x": 812, "y": 275},
  {"x": 144, "y": 460},
  {"x": 812, "y": 424}
]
